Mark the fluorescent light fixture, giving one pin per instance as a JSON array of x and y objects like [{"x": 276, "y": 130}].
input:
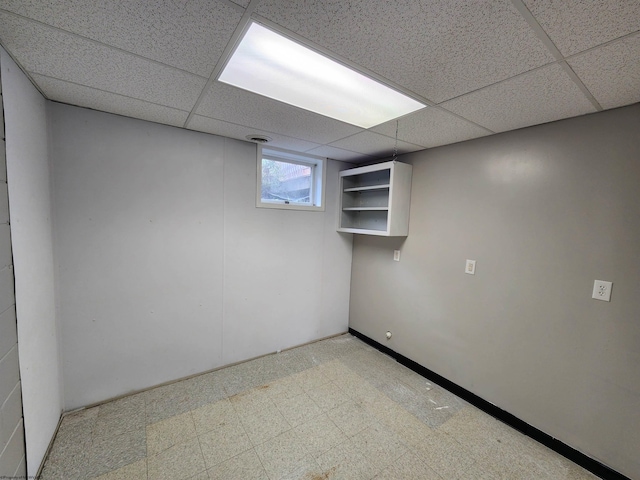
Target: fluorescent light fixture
[{"x": 269, "y": 64}]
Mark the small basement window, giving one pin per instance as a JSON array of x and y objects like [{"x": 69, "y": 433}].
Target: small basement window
[{"x": 290, "y": 180}]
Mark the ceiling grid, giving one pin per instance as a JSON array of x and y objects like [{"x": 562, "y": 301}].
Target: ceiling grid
[
  {"x": 542, "y": 35},
  {"x": 480, "y": 67}
]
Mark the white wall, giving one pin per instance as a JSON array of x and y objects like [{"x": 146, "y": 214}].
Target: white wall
[
  {"x": 31, "y": 229},
  {"x": 165, "y": 266}
]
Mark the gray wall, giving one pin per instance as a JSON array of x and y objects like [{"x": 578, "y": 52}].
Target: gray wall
[
  {"x": 12, "y": 450},
  {"x": 30, "y": 206},
  {"x": 544, "y": 211},
  {"x": 166, "y": 268}
]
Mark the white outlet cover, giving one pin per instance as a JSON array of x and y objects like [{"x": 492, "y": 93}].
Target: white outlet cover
[
  {"x": 396, "y": 255},
  {"x": 470, "y": 267},
  {"x": 602, "y": 290}
]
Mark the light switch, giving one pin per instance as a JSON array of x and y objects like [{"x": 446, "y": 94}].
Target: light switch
[
  {"x": 470, "y": 268},
  {"x": 602, "y": 290},
  {"x": 396, "y": 255}
]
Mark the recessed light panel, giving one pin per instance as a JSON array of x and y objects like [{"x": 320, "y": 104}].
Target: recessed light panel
[{"x": 269, "y": 64}]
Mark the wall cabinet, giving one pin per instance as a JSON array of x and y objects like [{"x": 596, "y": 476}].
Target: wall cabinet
[{"x": 374, "y": 200}]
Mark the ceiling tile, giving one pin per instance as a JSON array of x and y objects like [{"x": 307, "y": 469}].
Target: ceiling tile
[
  {"x": 438, "y": 49},
  {"x": 189, "y": 35},
  {"x": 369, "y": 143},
  {"x": 255, "y": 111},
  {"x": 340, "y": 154},
  {"x": 431, "y": 127},
  {"x": 82, "y": 96},
  {"x": 243, "y": 3},
  {"x": 218, "y": 127},
  {"x": 541, "y": 96},
  {"x": 611, "y": 73},
  {"x": 575, "y": 25},
  {"x": 56, "y": 54}
]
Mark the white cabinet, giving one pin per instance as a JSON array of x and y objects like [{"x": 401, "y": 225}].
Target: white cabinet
[{"x": 374, "y": 200}]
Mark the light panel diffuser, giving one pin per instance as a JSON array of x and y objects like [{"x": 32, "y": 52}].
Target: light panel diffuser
[{"x": 269, "y": 64}]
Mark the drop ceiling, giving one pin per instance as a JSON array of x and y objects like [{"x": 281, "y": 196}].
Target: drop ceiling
[{"x": 482, "y": 67}]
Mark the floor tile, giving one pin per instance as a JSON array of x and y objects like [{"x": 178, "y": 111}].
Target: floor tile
[
  {"x": 379, "y": 446},
  {"x": 408, "y": 467},
  {"x": 73, "y": 442},
  {"x": 282, "y": 455},
  {"x": 177, "y": 463},
  {"x": 306, "y": 468},
  {"x": 285, "y": 387},
  {"x": 246, "y": 466},
  {"x": 70, "y": 462},
  {"x": 477, "y": 431},
  {"x": 444, "y": 455},
  {"x": 351, "y": 384},
  {"x": 166, "y": 401},
  {"x": 411, "y": 430},
  {"x": 133, "y": 471},
  {"x": 86, "y": 414},
  {"x": 246, "y": 376},
  {"x": 421, "y": 405},
  {"x": 293, "y": 361},
  {"x": 120, "y": 416},
  {"x": 169, "y": 432},
  {"x": 200, "y": 476},
  {"x": 344, "y": 462},
  {"x": 112, "y": 452},
  {"x": 215, "y": 415},
  {"x": 351, "y": 418},
  {"x": 297, "y": 410},
  {"x": 264, "y": 424},
  {"x": 132, "y": 406},
  {"x": 251, "y": 401},
  {"x": 204, "y": 389},
  {"x": 524, "y": 458},
  {"x": 334, "y": 369},
  {"x": 319, "y": 435},
  {"x": 327, "y": 396},
  {"x": 374, "y": 399},
  {"x": 335, "y": 409},
  {"x": 311, "y": 378},
  {"x": 224, "y": 443}
]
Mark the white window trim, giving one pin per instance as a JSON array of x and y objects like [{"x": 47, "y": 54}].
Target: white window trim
[{"x": 318, "y": 189}]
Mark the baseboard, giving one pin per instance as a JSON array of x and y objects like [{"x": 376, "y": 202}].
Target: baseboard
[
  {"x": 545, "y": 439},
  {"x": 48, "y": 450}
]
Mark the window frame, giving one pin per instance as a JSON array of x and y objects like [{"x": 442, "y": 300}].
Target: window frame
[{"x": 317, "y": 191}]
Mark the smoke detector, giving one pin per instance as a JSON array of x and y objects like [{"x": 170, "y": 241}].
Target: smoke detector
[{"x": 258, "y": 138}]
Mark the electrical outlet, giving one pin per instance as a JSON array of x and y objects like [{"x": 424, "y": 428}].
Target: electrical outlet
[
  {"x": 470, "y": 267},
  {"x": 602, "y": 290},
  {"x": 396, "y": 255}
]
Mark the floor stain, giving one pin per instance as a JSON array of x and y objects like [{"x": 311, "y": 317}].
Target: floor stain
[{"x": 323, "y": 476}]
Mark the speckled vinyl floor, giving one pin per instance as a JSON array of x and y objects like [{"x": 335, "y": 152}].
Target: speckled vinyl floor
[{"x": 335, "y": 409}]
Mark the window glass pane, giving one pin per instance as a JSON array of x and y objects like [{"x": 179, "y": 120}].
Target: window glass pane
[{"x": 283, "y": 181}]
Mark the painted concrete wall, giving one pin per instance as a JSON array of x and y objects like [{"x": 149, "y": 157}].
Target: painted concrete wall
[
  {"x": 544, "y": 211},
  {"x": 28, "y": 175},
  {"x": 165, "y": 266},
  {"x": 12, "y": 450}
]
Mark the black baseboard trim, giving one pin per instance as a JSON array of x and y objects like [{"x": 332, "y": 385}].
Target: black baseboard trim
[{"x": 563, "y": 449}]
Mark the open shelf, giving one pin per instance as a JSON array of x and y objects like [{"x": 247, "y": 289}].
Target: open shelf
[
  {"x": 370, "y": 187},
  {"x": 374, "y": 200},
  {"x": 365, "y": 209}
]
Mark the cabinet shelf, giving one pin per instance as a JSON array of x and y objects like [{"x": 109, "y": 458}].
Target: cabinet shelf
[
  {"x": 365, "y": 209},
  {"x": 370, "y": 187},
  {"x": 374, "y": 200}
]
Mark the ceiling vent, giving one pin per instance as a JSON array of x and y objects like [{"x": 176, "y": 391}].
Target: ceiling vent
[{"x": 258, "y": 138}]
